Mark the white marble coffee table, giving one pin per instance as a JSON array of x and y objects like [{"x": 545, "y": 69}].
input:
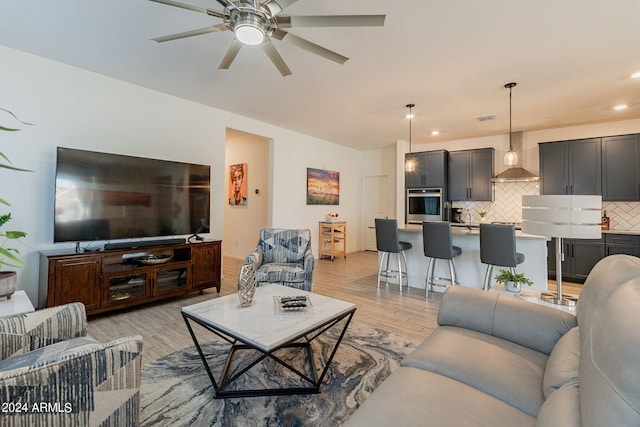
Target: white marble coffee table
[{"x": 266, "y": 329}]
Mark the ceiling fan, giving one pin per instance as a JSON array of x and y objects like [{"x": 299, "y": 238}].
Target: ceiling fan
[{"x": 256, "y": 22}]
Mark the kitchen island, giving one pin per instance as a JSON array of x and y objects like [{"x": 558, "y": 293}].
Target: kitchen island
[{"x": 470, "y": 271}]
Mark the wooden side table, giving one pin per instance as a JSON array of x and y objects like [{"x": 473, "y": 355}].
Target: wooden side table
[
  {"x": 18, "y": 304},
  {"x": 333, "y": 239}
]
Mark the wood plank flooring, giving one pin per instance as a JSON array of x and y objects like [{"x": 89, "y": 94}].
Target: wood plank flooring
[{"x": 352, "y": 279}]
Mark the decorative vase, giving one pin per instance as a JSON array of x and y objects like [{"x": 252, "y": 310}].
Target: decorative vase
[
  {"x": 246, "y": 284},
  {"x": 7, "y": 283},
  {"x": 512, "y": 287}
]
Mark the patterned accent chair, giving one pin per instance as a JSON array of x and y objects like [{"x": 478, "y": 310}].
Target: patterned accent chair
[
  {"x": 283, "y": 256},
  {"x": 54, "y": 375}
]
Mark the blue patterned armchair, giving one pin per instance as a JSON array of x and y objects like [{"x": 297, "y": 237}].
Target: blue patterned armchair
[
  {"x": 283, "y": 256},
  {"x": 51, "y": 374}
]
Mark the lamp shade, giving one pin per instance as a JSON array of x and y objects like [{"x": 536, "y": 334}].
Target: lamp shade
[{"x": 570, "y": 216}]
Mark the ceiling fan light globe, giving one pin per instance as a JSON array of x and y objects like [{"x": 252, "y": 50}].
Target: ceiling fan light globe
[{"x": 249, "y": 34}]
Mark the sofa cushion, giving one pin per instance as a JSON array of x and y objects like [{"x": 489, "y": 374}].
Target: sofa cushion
[
  {"x": 530, "y": 325},
  {"x": 51, "y": 352},
  {"x": 280, "y": 272},
  {"x": 413, "y": 397},
  {"x": 563, "y": 364},
  {"x": 562, "y": 408},
  {"x": 609, "y": 373},
  {"x": 505, "y": 370}
]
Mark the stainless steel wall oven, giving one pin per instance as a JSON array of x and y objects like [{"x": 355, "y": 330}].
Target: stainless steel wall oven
[{"x": 424, "y": 204}]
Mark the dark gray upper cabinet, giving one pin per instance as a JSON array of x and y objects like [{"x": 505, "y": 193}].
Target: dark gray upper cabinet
[
  {"x": 571, "y": 167},
  {"x": 621, "y": 167},
  {"x": 431, "y": 169},
  {"x": 470, "y": 173}
]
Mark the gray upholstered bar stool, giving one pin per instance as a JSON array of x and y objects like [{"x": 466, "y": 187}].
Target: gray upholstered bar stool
[
  {"x": 387, "y": 242},
  {"x": 498, "y": 247},
  {"x": 437, "y": 242}
]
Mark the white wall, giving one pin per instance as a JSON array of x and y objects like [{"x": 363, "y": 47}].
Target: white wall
[
  {"x": 76, "y": 108},
  {"x": 242, "y": 223}
]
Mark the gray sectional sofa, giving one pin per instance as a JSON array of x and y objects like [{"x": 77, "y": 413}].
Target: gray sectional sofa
[{"x": 495, "y": 360}]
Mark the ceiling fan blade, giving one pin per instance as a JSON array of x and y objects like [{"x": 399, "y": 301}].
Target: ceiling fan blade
[
  {"x": 331, "y": 21},
  {"x": 182, "y": 5},
  {"x": 205, "y": 30},
  {"x": 275, "y": 57},
  {"x": 309, "y": 46},
  {"x": 231, "y": 54},
  {"x": 277, "y": 6},
  {"x": 226, "y": 3}
]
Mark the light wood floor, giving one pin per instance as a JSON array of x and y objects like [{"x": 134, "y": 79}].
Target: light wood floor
[{"x": 352, "y": 279}]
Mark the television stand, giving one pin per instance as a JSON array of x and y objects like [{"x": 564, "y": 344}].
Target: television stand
[{"x": 117, "y": 278}]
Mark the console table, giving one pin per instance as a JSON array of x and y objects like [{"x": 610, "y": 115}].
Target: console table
[{"x": 113, "y": 279}]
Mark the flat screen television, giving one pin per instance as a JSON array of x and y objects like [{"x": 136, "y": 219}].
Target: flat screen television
[{"x": 101, "y": 196}]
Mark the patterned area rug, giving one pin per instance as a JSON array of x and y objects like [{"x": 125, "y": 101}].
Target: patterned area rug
[{"x": 176, "y": 390}]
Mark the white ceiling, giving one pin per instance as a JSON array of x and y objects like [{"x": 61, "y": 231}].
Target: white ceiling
[{"x": 572, "y": 60}]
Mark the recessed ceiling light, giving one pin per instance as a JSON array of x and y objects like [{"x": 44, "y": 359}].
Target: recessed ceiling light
[
  {"x": 636, "y": 75},
  {"x": 620, "y": 107},
  {"x": 435, "y": 132}
]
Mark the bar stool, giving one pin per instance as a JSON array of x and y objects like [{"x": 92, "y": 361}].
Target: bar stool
[
  {"x": 388, "y": 243},
  {"x": 498, "y": 247},
  {"x": 437, "y": 242}
]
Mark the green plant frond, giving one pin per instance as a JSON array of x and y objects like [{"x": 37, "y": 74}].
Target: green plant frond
[
  {"x": 505, "y": 276},
  {"x": 4, "y": 202},
  {"x": 14, "y": 168},
  {"x": 4, "y": 219},
  {"x": 16, "y": 117},
  {"x": 15, "y": 234},
  {"x": 6, "y": 253},
  {"x": 8, "y": 129}
]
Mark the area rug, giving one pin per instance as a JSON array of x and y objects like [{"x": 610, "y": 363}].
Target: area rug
[{"x": 176, "y": 390}]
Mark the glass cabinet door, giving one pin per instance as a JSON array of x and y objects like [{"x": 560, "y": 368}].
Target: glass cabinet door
[
  {"x": 171, "y": 279},
  {"x": 123, "y": 288}
]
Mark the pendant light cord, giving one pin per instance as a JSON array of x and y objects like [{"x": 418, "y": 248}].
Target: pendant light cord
[{"x": 410, "y": 106}]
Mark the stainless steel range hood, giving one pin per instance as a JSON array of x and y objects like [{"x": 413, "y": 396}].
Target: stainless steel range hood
[{"x": 516, "y": 173}]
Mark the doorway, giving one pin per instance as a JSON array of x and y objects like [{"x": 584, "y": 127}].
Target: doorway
[
  {"x": 247, "y": 165},
  {"x": 376, "y": 205}
]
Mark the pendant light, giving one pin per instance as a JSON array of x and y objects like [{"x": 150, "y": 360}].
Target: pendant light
[
  {"x": 410, "y": 164},
  {"x": 511, "y": 157}
]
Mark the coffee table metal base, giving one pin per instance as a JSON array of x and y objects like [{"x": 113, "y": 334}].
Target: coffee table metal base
[{"x": 302, "y": 342}]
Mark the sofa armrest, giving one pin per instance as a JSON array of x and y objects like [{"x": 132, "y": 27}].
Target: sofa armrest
[
  {"x": 94, "y": 384},
  {"x": 256, "y": 258},
  {"x": 23, "y": 333},
  {"x": 531, "y": 325}
]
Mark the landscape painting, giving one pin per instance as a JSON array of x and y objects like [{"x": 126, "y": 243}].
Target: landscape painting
[{"x": 323, "y": 187}]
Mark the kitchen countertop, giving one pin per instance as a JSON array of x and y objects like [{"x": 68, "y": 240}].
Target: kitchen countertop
[
  {"x": 462, "y": 229},
  {"x": 457, "y": 228}
]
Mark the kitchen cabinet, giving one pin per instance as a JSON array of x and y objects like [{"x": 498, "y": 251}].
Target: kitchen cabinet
[
  {"x": 431, "y": 169},
  {"x": 628, "y": 244},
  {"x": 571, "y": 167},
  {"x": 621, "y": 168},
  {"x": 470, "y": 173},
  {"x": 580, "y": 255}
]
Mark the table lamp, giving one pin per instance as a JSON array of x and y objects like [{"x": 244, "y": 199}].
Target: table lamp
[{"x": 559, "y": 216}]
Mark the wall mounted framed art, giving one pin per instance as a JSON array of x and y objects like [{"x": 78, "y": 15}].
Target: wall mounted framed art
[
  {"x": 323, "y": 187},
  {"x": 238, "y": 184}
]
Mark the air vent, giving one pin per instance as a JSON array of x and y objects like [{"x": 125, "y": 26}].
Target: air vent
[{"x": 485, "y": 118}]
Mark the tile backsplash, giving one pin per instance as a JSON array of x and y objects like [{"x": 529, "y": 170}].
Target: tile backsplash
[{"x": 507, "y": 207}]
